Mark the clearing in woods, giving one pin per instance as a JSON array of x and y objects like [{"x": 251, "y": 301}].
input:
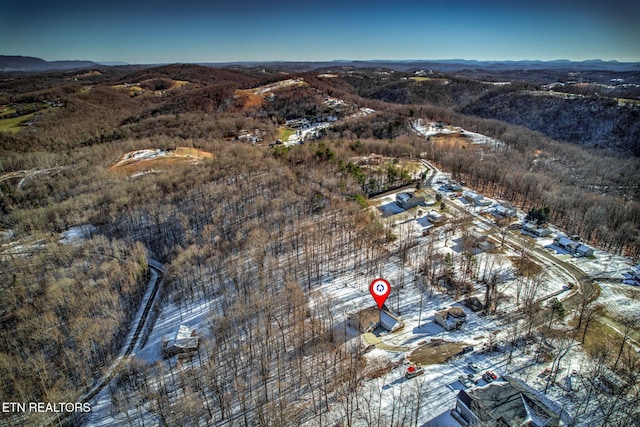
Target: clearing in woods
[
  {"x": 435, "y": 352},
  {"x": 144, "y": 160}
]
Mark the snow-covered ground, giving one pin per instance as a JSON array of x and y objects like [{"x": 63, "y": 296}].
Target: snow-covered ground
[
  {"x": 433, "y": 393},
  {"x": 437, "y": 389},
  {"x": 435, "y": 129}
]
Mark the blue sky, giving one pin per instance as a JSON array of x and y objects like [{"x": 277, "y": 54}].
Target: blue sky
[{"x": 158, "y": 31}]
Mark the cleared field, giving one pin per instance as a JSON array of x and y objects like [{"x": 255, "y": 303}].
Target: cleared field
[
  {"x": 455, "y": 141},
  {"x": 13, "y": 124},
  {"x": 284, "y": 133},
  {"x": 436, "y": 352},
  {"x": 156, "y": 159},
  {"x": 135, "y": 88},
  {"x": 420, "y": 79},
  {"x": 248, "y": 99},
  {"x": 261, "y": 90}
]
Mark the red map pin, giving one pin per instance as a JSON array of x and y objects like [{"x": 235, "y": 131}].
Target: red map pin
[{"x": 380, "y": 290}]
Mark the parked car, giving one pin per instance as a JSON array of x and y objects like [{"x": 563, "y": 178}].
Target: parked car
[
  {"x": 413, "y": 371},
  {"x": 465, "y": 381},
  {"x": 489, "y": 376},
  {"x": 474, "y": 368},
  {"x": 472, "y": 378}
]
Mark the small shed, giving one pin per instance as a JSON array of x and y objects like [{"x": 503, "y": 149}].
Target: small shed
[{"x": 474, "y": 304}]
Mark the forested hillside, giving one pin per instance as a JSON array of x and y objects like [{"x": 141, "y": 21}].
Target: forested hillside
[
  {"x": 245, "y": 223},
  {"x": 583, "y": 111},
  {"x": 585, "y": 120}
]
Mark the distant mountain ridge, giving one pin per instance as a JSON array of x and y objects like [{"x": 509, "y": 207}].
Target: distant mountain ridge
[
  {"x": 445, "y": 65},
  {"x": 30, "y": 63}
]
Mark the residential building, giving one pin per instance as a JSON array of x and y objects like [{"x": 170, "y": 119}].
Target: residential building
[
  {"x": 471, "y": 196},
  {"x": 476, "y": 240},
  {"x": 370, "y": 318},
  {"x": 576, "y": 249},
  {"x": 510, "y": 403},
  {"x": 390, "y": 320},
  {"x": 435, "y": 217},
  {"x": 364, "y": 320},
  {"x": 453, "y": 186},
  {"x": 184, "y": 341},
  {"x": 476, "y": 199},
  {"x": 533, "y": 228},
  {"x": 409, "y": 200},
  {"x": 452, "y": 318},
  {"x": 504, "y": 210}
]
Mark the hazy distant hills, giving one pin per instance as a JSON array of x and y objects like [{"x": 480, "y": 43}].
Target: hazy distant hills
[
  {"x": 29, "y": 63},
  {"x": 449, "y": 65}
]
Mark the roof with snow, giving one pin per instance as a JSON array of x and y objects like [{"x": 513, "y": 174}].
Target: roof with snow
[
  {"x": 185, "y": 338},
  {"x": 452, "y": 318},
  {"x": 390, "y": 320},
  {"x": 512, "y": 403}
]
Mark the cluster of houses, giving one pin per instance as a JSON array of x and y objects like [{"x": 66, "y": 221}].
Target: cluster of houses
[
  {"x": 305, "y": 123},
  {"x": 571, "y": 246}
]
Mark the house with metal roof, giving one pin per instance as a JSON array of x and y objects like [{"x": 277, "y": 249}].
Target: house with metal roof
[
  {"x": 184, "y": 341},
  {"x": 509, "y": 402}
]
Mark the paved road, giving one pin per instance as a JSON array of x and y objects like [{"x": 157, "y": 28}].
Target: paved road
[{"x": 155, "y": 281}]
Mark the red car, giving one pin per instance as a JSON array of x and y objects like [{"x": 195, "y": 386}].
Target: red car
[{"x": 489, "y": 376}]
